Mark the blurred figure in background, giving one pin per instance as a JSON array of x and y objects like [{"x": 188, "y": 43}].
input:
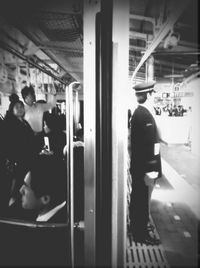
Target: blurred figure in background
[
  {"x": 78, "y": 151},
  {"x": 79, "y": 176},
  {"x": 34, "y": 112},
  {"x": 4, "y": 180},
  {"x": 19, "y": 142},
  {"x": 54, "y": 136}
]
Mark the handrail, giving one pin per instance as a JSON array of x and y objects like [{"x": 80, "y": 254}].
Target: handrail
[
  {"x": 34, "y": 64},
  {"x": 70, "y": 164},
  {"x": 32, "y": 224}
]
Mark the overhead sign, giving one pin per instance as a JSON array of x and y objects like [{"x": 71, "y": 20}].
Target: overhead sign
[{"x": 179, "y": 94}]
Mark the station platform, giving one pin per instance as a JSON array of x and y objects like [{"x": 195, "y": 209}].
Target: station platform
[{"x": 175, "y": 213}]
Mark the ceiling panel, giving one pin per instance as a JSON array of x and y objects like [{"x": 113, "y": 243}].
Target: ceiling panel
[{"x": 52, "y": 31}]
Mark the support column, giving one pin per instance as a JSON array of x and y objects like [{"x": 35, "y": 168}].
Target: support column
[
  {"x": 91, "y": 7},
  {"x": 120, "y": 130}
]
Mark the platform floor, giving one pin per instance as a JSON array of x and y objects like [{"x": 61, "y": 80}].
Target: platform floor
[
  {"x": 139, "y": 255},
  {"x": 175, "y": 210}
]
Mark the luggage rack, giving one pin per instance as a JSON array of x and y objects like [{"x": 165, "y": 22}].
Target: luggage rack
[{"x": 139, "y": 255}]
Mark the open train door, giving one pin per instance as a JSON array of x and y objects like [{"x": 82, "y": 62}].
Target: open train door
[{"x": 106, "y": 40}]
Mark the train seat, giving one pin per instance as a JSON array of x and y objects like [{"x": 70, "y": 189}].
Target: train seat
[{"x": 24, "y": 243}]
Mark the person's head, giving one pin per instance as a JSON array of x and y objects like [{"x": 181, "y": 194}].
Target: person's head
[
  {"x": 144, "y": 92},
  {"x": 44, "y": 184},
  {"x": 28, "y": 95},
  {"x": 16, "y": 106}
]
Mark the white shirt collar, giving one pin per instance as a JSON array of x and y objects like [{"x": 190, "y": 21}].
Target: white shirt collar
[{"x": 50, "y": 213}]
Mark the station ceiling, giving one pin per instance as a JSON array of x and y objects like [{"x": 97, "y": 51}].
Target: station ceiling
[
  {"x": 167, "y": 30},
  {"x": 46, "y": 32}
]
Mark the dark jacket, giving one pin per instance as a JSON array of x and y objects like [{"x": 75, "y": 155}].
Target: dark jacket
[
  {"x": 19, "y": 149},
  {"x": 19, "y": 140},
  {"x": 57, "y": 141},
  {"x": 144, "y": 136}
]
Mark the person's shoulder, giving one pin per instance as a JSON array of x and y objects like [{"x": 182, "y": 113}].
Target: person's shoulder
[
  {"x": 10, "y": 120},
  {"x": 43, "y": 106},
  {"x": 140, "y": 112},
  {"x": 38, "y": 105},
  {"x": 140, "y": 109},
  {"x": 26, "y": 107}
]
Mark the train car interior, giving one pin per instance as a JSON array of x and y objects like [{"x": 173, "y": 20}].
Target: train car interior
[{"x": 92, "y": 52}]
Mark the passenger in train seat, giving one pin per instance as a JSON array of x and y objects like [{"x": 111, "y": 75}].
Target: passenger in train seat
[
  {"x": 79, "y": 176},
  {"x": 145, "y": 165},
  {"x": 54, "y": 136},
  {"x": 44, "y": 191},
  {"x": 19, "y": 144},
  {"x": 34, "y": 111},
  {"x": 78, "y": 140},
  {"x": 78, "y": 145}
]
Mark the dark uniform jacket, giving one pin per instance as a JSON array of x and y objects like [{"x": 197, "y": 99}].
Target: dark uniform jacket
[{"x": 144, "y": 143}]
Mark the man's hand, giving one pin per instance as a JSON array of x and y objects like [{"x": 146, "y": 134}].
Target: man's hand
[
  {"x": 46, "y": 152},
  {"x": 150, "y": 177}
]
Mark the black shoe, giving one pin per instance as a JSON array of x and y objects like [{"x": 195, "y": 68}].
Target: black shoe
[
  {"x": 146, "y": 239},
  {"x": 150, "y": 240},
  {"x": 150, "y": 227},
  {"x": 138, "y": 239}
]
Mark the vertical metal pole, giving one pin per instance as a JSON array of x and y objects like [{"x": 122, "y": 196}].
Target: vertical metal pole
[
  {"x": 28, "y": 74},
  {"x": 67, "y": 111},
  {"x": 120, "y": 130},
  {"x": 76, "y": 112},
  {"x": 70, "y": 163}
]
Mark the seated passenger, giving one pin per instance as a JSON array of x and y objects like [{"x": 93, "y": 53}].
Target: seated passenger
[
  {"x": 78, "y": 183},
  {"x": 78, "y": 141},
  {"x": 79, "y": 138},
  {"x": 44, "y": 190},
  {"x": 78, "y": 151},
  {"x": 54, "y": 137}
]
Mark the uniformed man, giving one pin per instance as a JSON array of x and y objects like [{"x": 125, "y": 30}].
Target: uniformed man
[{"x": 145, "y": 162}]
